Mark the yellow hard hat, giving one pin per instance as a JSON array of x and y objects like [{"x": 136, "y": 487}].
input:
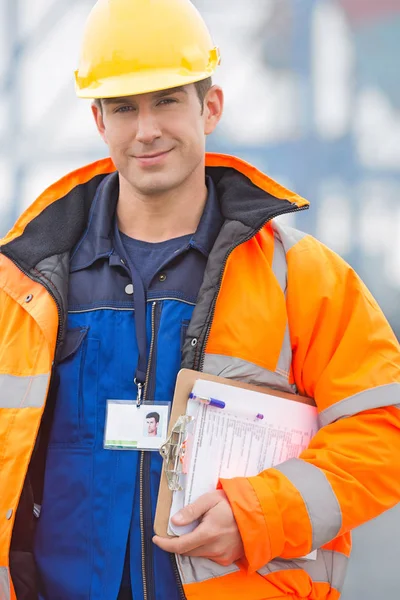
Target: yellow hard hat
[{"x": 136, "y": 46}]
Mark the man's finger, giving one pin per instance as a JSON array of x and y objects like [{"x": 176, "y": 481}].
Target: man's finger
[
  {"x": 186, "y": 543},
  {"x": 194, "y": 511},
  {"x": 225, "y": 560},
  {"x": 207, "y": 551}
]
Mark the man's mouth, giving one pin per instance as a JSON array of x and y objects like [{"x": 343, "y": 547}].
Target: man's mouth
[{"x": 150, "y": 159}]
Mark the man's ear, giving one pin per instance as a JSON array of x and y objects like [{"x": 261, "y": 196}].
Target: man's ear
[
  {"x": 213, "y": 108},
  {"x": 98, "y": 118}
]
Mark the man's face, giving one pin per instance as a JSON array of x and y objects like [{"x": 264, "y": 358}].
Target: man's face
[
  {"x": 157, "y": 140},
  {"x": 151, "y": 426}
]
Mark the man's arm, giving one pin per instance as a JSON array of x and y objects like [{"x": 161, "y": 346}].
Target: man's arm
[{"x": 346, "y": 357}]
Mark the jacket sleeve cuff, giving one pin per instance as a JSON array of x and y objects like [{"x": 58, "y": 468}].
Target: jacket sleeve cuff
[{"x": 259, "y": 523}]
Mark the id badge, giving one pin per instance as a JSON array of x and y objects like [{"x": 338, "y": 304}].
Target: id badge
[{"x": 132, "y": 427}]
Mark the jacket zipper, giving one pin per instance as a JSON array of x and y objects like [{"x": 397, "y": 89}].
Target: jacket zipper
[
  {"x": 151, "y": 387},
  {"x": 147, "y": 550},
  {"x": 200, "y": 356},
  {"x": 147, "y": 553},
  {"x": 181, "y": 592}
]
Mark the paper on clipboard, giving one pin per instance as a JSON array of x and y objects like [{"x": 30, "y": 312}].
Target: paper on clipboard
[
  {"x": 232, "y": 442},
  {"x": 170, "y": 502}
]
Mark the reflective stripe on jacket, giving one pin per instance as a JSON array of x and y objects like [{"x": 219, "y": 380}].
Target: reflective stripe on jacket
[{"x": 276, "y": 308}]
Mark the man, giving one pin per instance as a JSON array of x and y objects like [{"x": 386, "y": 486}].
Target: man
[
  {"x": 152, "y": 421},
  {"x": 162, "y": 257}
]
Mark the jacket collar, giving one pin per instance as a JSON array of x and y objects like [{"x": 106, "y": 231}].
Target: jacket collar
[{"x": 56, "y": 221}]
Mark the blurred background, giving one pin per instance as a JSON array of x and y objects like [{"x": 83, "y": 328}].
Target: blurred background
[{"x": 312, "y": 98}]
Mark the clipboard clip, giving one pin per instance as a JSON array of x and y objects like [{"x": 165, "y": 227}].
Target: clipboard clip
[{"x": 174, "y": 452}]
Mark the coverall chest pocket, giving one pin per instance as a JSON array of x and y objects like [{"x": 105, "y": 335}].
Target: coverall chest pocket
[{"x": 75, "y": 413}]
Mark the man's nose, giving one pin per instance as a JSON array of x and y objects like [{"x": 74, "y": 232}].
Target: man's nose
[{"x": 147, "y": 127}]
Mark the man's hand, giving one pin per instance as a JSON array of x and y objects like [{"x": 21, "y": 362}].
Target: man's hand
[{"x": 217, "y": 537}]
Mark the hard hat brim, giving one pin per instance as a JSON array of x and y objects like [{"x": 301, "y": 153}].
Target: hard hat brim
[{"x": 133, "y": 84}]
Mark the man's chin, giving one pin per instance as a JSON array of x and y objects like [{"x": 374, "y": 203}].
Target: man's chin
[{"x": 153, "y": 185}]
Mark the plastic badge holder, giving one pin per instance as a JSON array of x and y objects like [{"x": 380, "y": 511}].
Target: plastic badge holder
[{"x": 132, "y": 427}]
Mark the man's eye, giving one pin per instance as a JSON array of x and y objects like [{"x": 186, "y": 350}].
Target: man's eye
[
  {"x": 123, "y": 109},
  {"x": 166, "y": 101}
]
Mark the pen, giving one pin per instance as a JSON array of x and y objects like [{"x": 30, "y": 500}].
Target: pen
[
  {"x": 208, "y": 401},
  {"x": 216, "y": 403}
]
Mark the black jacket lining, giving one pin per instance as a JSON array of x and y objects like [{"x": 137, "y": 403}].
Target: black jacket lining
[
  {"x": 56, "y": 229},
  {"x": 243, "y": 201}
]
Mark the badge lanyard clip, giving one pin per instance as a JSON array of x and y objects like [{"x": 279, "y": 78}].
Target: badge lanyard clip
[{"x": 139, "y": 397}]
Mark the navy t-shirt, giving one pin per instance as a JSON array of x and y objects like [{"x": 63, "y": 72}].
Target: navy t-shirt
[{"x": 149, "y": 258}]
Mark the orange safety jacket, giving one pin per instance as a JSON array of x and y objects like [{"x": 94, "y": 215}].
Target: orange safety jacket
[{"x": 276, "y": 308}]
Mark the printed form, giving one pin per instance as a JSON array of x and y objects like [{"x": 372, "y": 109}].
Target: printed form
[{"x": 232, "y": 442}]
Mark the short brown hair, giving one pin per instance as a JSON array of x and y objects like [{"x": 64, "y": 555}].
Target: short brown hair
[{"x": 202, "y": 88}]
